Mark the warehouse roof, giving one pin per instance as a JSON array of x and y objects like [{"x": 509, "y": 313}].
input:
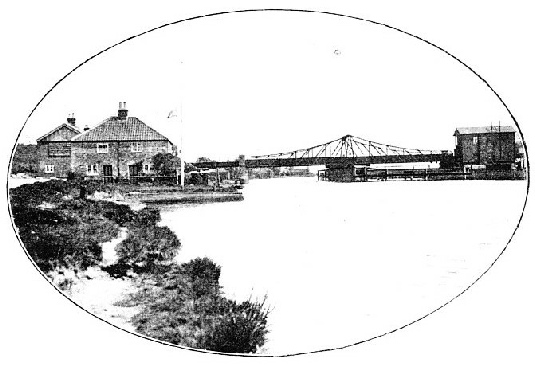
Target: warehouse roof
[
  {"x": 484, "y": 130},
  {"x": 116, "y": 129}
]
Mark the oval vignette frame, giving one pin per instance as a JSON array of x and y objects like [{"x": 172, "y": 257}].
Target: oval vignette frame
[{"x": 291, "y": 11}]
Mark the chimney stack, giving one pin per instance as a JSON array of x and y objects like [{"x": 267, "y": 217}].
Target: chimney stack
[
  {"x": 123, "y": 112},
  {"x": 71, "y": 119},
  {"x": 86, "y": 128}
]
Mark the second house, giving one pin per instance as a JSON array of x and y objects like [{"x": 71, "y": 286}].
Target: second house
[{"x": 119, "y": 147}]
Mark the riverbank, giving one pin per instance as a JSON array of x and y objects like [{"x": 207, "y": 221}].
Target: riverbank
[
  {"x": 166, "y": 196},
  {"x": 120, "y": 265},
  {"x": 137, "y": 194}
]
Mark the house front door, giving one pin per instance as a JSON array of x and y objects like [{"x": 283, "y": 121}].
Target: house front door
[
  {"x": 107, "y": 171},
  {"x": 133, "y": 170}
]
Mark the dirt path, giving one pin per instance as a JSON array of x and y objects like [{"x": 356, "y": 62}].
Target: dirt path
[
  {"x": 97, "y": 292},
  {"x": 109, "y": 256}
]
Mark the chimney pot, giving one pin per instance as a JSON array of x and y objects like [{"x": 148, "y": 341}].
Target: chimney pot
[
  {"x": 71, "y": 119},
  {"x": 86, "y": 128},
  {"x": 123, "y": 112}
]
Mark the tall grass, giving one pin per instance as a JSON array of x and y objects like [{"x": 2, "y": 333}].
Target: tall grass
[{"x": 185, "y": 306}]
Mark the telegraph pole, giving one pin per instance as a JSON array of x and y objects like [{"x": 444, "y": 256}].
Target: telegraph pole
[{"x": 182, "y": 163}]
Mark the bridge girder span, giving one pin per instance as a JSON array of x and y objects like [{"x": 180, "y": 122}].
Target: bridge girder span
[
  {"x": 345, "y": 150},
  {"x": 348, "y": 146}
]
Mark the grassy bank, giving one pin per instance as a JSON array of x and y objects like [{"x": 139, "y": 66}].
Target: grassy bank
[
  {"x": 181, "y": 304},
  {"x": 185, "y": 306}
]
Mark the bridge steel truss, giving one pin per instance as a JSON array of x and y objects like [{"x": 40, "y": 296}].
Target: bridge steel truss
[{"x": 344, "y": 151}]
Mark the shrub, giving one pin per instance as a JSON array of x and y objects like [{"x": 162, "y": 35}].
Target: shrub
[
  {"x": 32, "y": 195},
  {"x": 203, "y": 275},
  {"x": 185, "y": 306},
  {"x": 239, "y": 327},
  {"x": 148, "y": 248},
  {"x": 147, "y": 217},
  {"x": 57, "y": 231},
  {"x": 119, "y": 213},
  {"x": 54, "y": 239},
  {"x": 25, "y": 159},
  {"x": 165, "y": 164}
]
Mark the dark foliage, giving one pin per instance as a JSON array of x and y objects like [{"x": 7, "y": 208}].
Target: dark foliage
[
  {"x": 25, "y": 159},
  {"x": 32, "y": 195},
  {"x": 203, "y": 275},
  {"x": 165, "y": 164},
  {"x": 119, "y": 213},
  {"x": 238, "y": 328},
  {"x": 55, "y": 229},
  {"x": 147, "y": 217},
  {"x": 185, "y": 306},
  {"x": 181, "y": 304},
  {"x": 148, "y": 249},
  {"x": 56, "y": 238},
  {"x": 60, "y": 229},
  {"x": 118, "y": 270}
]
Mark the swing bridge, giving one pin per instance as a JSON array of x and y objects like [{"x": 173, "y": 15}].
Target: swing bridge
[{"x": 342, "y": 152}]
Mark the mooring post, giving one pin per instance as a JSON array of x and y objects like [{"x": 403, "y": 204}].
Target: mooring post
[{"x": 242, "y": 168}]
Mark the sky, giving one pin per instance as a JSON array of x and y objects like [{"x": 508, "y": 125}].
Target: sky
[{"x": 268, "y": 82}]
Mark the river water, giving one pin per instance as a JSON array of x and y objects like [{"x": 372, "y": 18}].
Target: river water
[{"x": 341, "y": 263}]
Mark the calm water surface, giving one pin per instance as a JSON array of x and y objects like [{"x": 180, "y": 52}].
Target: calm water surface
[{"x": 341, "y": 263}]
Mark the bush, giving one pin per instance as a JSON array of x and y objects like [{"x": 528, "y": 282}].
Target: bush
[
  {"x": 119, "y": 213},
  {"x": 25, "y": 159},
  {"x": 147, "y": 217},
  {"x": 165, "y": 164},
  {"x": 185, "y": 306},
  {"x": 32, "y": 195},
  {"x": 58, "y": 230},
  {"x": 203, "y": 275},
  {"x": 54, "y": 239},
  {"x": 239, "y": 328},
  {"x": 148, "y": 248}
]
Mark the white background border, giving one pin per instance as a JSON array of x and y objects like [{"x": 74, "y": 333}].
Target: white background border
[{"x": 41, "y": 41}]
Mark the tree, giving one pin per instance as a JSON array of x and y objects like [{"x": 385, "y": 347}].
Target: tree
[
  {"x": 165, "y": 164},
  {"x": 204, "y": 159},
  {"x": 25, "y": 159}
]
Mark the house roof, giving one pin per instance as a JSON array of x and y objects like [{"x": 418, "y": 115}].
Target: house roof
[
  {"x": 483, "y": 130},
  {"x": 70, "y": 126},
  {"x": 115, "y": 129}
]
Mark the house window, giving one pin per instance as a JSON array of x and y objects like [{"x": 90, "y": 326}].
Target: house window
[
  {"x": 137, "y": 147},
  {"x": 102, "y": 148},
  {"x": 147, "y": 168},
  {"x": 474, "y": 140},
  {"x": 49, "y": 169},
  {"x": 92, "y": 170}
]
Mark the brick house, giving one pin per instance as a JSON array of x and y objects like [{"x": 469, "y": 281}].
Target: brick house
[
  {"x": 485, "y": 147},
  {"x": 54, "y": 149},
  {"x": 119, "y": 147}
]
